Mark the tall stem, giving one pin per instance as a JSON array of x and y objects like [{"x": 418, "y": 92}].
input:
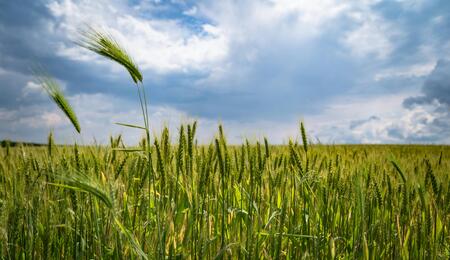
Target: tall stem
[{"x": 144, "y": 107}]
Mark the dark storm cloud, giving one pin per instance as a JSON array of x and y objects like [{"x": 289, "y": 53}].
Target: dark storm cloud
[
  {"x": 422, "y": 22},
  {"x": 281, "y": 83},
  {"x": 426, "y": 136},
  {"x": 427, "y": 116},
  {"x": 435, "y": 88},
  {"x": 436, "y": 99}
]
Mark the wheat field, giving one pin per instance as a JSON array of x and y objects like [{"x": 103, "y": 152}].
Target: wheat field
[{"x": 254, "y": 201}]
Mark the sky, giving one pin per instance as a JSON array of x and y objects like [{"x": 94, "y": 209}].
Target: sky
[{"x": 362, "y": 71}]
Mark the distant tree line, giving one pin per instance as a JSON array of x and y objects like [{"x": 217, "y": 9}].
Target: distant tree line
[{"x": 10, "y": 143}]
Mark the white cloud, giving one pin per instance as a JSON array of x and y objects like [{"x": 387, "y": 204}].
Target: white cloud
[
  {"x": 304, "y": 16},
  {"x": 414, "y": 5},
  {"x": 6, "y": 114},
  {"x": 438, "y": 20},
  {"x": 414, "y": 125},
  {"x": 297, "y": 21},
  {"x": 159, "y": 45},
  {"x": 191, "y": 11},
  {"x": 373, "y": 36},
  {"x": 260, "y": 32},
  {"x": 333, "y": 124},
  {"x": 31, "y": 88},
  {"x": 32, "y": 116},
  {"x": 239, "y": 32},
  {"x": 380, "y": 119},
  {"x": 415, "y": 70},
  {"x": 258, "y": 20},
  {"x": 52, "y": 119},
  {"x": 312, "y": 13}
]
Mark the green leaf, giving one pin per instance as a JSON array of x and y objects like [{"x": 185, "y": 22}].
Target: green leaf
[
  {"x": 128, "y": 149},
  {"x": 83, "y": 183},
  {"x": 132, "y": 126},
  {"x": 399, "y": 170},
  {"x": 129, "y": 236}
]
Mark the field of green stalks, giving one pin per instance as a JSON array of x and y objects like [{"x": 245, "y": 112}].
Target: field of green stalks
[
  {"x": 254, "y": 201},
  {"x": 181, "y": 200}
]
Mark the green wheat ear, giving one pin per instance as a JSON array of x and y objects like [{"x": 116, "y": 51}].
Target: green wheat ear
[
  {"x": 304, "y": 137},
  {"x": 104, "y": 45},
  {"x": 82, "y": 182},
  {"x": 54, "y": 91}
]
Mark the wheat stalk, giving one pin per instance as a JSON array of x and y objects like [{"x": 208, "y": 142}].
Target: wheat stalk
[
  {"x": 105, "y": 45},
  {"x": 55, "y": 93}
]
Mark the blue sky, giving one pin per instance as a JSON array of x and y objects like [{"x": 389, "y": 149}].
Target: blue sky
[{"x": 363, "y": 71}]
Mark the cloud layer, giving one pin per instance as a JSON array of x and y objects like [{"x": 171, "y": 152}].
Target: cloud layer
[{"x": 369, "y": 71}]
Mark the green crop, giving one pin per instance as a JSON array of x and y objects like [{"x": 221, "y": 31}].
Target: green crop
[{"x": 220, "y": 201}]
